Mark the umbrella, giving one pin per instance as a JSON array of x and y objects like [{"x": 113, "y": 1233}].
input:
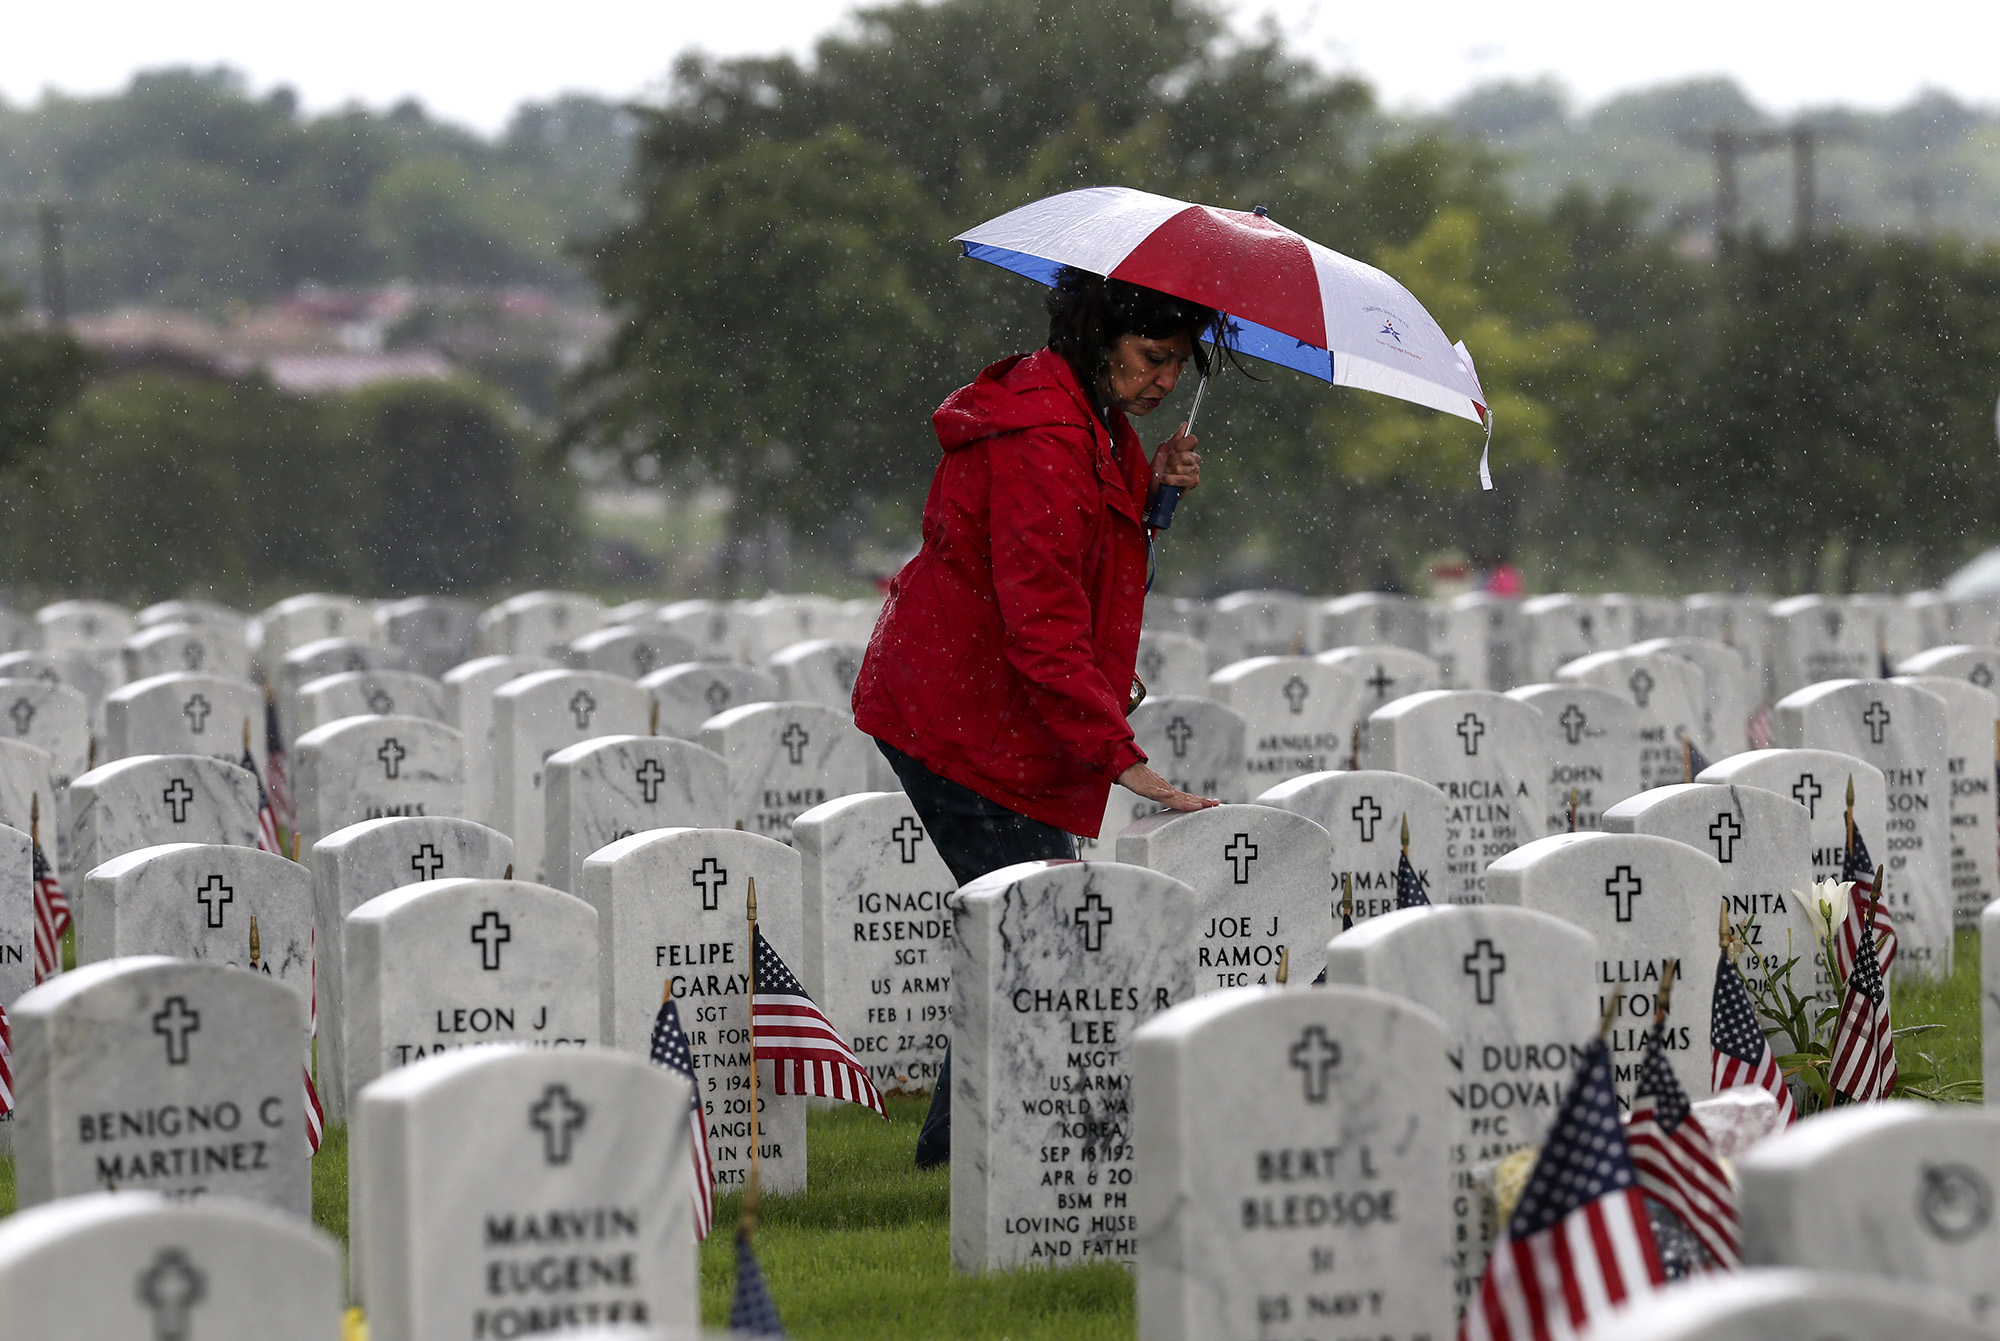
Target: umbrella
[{"x": 1287, "y": 299}]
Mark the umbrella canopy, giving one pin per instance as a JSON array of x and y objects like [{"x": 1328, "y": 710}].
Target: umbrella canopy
[{"x": 1289, "y": 300}]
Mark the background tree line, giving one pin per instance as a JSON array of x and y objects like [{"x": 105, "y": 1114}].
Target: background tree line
[{"x": 773, "y": 237}]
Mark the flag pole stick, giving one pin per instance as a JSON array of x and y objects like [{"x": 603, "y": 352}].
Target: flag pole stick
[
  {"x": 753, "y": 1191},
  {"x": 1850, "y": 814},
  {"x": 1673, "y": 970}
]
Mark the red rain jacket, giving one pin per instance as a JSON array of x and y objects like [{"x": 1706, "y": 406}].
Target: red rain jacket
[{"x": 1003, "y": 657}]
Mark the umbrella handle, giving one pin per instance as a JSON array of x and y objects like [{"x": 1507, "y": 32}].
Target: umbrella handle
[{"x": 1168, "y": 496}]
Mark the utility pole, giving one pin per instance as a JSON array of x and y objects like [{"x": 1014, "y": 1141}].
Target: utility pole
[
  {"x": 1805, "y": 141},
  {"x": 48, "y": 218},
  {"x": 1727, "y": 145}
]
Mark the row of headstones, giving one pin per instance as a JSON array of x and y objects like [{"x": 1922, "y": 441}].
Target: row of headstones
[{"x": 1278, "y": 1162}]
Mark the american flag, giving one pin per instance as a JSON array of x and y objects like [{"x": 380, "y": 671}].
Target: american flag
[
  {"x": 6, "y": 1062},
  {"x": 315, "y": 1114},
  {"x": 267, "y": 815},
  {"x": 1693, "y": 762},
  {"x": 51, "y": 916},
  {"x": 752, "y": 1312},
  {"x": 1864, "y": 1048},
  {"x": 670, "y": 1049},
  {"x": 1741, "y": 1053},
  {"x": 807, "y": 1053},
  {"x": 1676, "y": 1163},
  {"x": 1579, "y": 1244},
  {"x": 274, "y": 769},
  {"x": 1758, "y": 728},
  {"x": 1409, "y": 888},
  {"x": 1856, "y": 866}
]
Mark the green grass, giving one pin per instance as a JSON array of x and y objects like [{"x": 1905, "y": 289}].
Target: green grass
[{"x": 867, "y": 1252}]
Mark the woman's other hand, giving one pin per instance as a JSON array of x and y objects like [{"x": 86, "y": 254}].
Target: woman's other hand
[
  {"x": 1175, "y": 461},
  {"x": 1143, "y": 780}
]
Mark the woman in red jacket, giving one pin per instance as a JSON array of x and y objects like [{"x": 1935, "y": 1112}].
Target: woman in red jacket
[{"x": 999, "y": 675}]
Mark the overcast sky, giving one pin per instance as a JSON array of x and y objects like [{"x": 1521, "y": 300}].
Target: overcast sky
[{"x": 473, "y": 64}]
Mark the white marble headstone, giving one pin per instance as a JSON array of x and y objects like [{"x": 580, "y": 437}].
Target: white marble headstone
[
  {"x": 1557, "y": 629},
  {"x": 1897, "y": 1189},
  {"x": 298, "y": 620},
  {"x": 363, "y": 768},
  {"x": 1741, "y": 622},
  {"x": 671, "y": 904},
  {"x": 1514, "y": 990},
  {"x": 1728, "y": 699},
  {"x": 611, "y": 787},
  {"x": 501, "y": 1191},
  {"x": 717, "y": 628},
  {"x": 468, "y": 692},
  {"x": 55, "y": 717},
  {"x": 877, "y": 934},
  {"x": 538, "y": 623},
  {"x": 1363, "y": 813},
  {"x": 161, "y": 1075},
  {"x": 1256, "y": 1113},
  {"x": 184, "y": 714},
  {"x": 27, "y": 789},
  {"x": 630, "y": 650},
  {"x": 1057, "y": 964},
  {"x": 1197, "y": 744},
  {"x": 818, "y": 670},
  {"x": 327, "y": 656},
  {"x": 1247, "y": 624},
  {"x": 1762, "y": 842},
  {"x": 150, "y": 799},
  {"x": 1648, "y": 902},
  {"x": 1970, "y": 733},
  {"x": 1773, "y": 1304},
  {"x": 1815, "y": 638},
  {"x": 1386, "y": 674},
  {"x": 686, "y": 696},
  {"x": 449, "y": 964},
  {"x": 784, "y": 759},
  {"x": 1899, "y": 728},
  {"x": 83, "y": 624},
  {"x": 201, "y": 649},
  {"x": 351, "y": 866},
  {"x": 537, "y": 715},
  {"x": 1256, "y": 873},
  {"x": 1172, "y": 663},
  {"x": 1503, "y": 639},
  {"x": 1979, "y": 665},
  {"x": 1371, "y": 618},
  {"x": 435, "y": 632},
  {"x": 783, "y": 618},
  {"x": 1817, "y": 780},
  {"x": 1484, "y": 752},
  {"x": 1298, "y": 715},
  {"x": 145, "y": 1267},
  {"x": 17, "y": 919},
  {"x": 1669, "y": 695},
  {"x": 369, "y": 693},
  {"x": 1587, "y": 733}
]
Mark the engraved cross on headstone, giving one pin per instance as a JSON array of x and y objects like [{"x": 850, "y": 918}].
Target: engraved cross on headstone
[
  {"x": 379, "y": 701},
  {"x": 649, "y": 777},
  {"x": 196, "y": 711},
  {"x": 1316, "y": 1056},
  {"x": 1151, "y": 660},
  {"x": 177, "y": 795},
  {"x": 175, "y": 1022},
  {"x": 1178, "y": 735},
  {"x": 392, "y": 755},
  {"x": 1724, "y": 833},
  {"x": 427, "y": 862},
  {"x": 170, "y": 1288},
  {"x": 1982, "y": 675},
  {"x": 558, "y": 1118},
  {"x": 23, "y": 713},
  {"x": 1365, "y": 814},
  {"x": 1240, "y": 853},
  {"x": 1470, "y": 729},
  {"x": 1807, "y": 791},
  {"x": 1295, "y": 694},
  {"x": 193, "y": 654},
  {"x": 489, "y": 933},
  {"x": 1623, "y": 886},
  {"x": 795, "y": 740},
  {"x": 583, "y": 705},
  {"x": 1642, "y": 686},
  {"x": 907, "y": 834},
  {"x": 1484, "y": 965},
  {"x": 1092, "y": 917},
  {"x": 717, "y": 695},
  {"x": 1876, "y": 719},
  {"x": 711, "y": 876},
  {"x": 1573, "y": 722},
  {"x": 214, "y": 897},
  {"x": 1381, "y": 684}
]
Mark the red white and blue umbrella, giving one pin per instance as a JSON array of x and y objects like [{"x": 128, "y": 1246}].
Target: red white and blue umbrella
[{"x": 1288, "y": 299}]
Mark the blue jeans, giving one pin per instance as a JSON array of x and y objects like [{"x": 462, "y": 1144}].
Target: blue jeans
[{"x": 974, "y": 836}]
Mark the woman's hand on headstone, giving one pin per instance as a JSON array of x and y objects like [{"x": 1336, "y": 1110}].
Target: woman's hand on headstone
[{"x": 1143, "y": 780}]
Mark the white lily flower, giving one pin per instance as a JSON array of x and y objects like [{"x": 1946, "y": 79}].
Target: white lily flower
[{"x": 1828, "y": 904}]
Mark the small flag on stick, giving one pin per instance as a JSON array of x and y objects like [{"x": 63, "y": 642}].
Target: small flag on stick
[
  {"x": 1864, "y": 1045},
  {"x": 807, "y": 1053},
  {"x": 6, "y": 1063},
  {"x": 1739, "y": 1052},
  {"x": 1858, "y": 868},
  {"x": 1676, "y": 1162},
  {"x": 1409, "y": 887},
  {"x": 52, "y": 917},
  {"x": 267, "y": 815},
  {"x": 670, "y": 1049}
]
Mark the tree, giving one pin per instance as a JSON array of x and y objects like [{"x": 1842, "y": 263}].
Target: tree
[{"x": 40, "y": 373}]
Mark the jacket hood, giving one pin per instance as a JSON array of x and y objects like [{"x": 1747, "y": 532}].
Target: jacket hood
[{"x": 1035, "y": 390}]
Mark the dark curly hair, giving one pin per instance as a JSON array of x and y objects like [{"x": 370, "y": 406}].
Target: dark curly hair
[{"x": 1087, "y": 314}]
